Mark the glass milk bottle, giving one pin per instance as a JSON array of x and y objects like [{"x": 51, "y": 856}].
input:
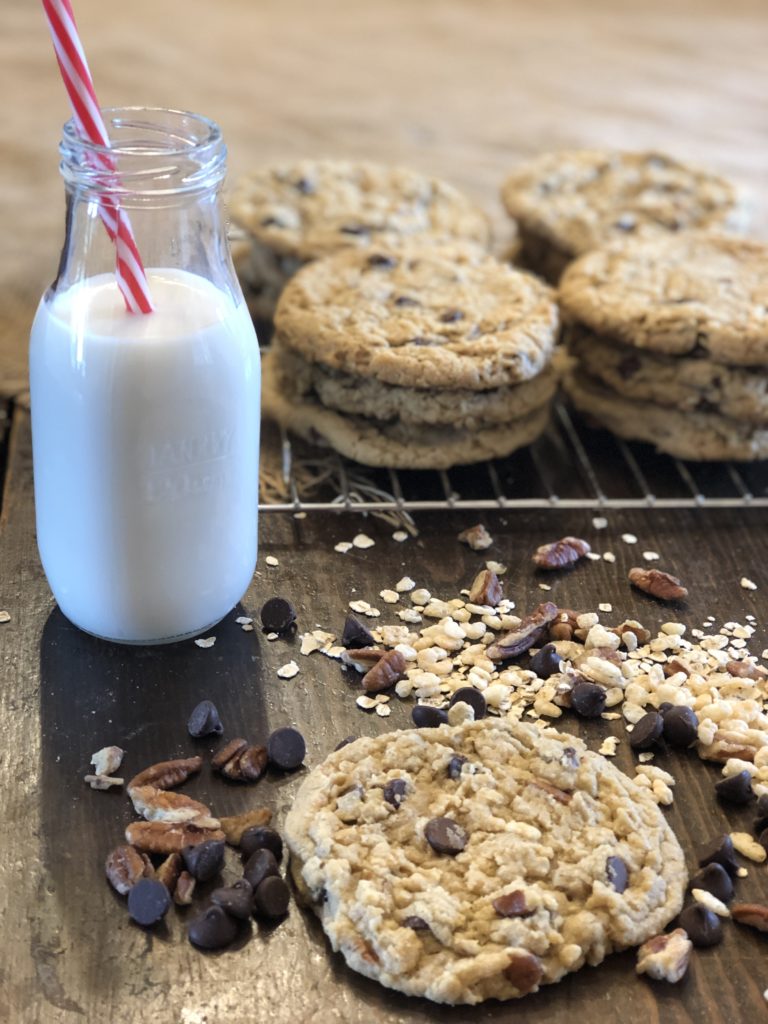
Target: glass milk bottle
[{"x": 145, "y": 428}]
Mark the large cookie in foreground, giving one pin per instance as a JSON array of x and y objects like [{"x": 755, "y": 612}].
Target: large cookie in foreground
[{"x": 564, "y": 858}]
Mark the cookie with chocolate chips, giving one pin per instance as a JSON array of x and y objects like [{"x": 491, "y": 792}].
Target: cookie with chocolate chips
[{"x": 538, "y": 857}]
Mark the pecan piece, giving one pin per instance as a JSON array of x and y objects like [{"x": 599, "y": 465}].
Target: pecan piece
[
  {"x": 164, "y": 837},
  {"x": 168, "y": 872},
  {"x": 561, "y": 795},
  {"x": 525, "y": 636},
  {"x": 247, "y": 766},
  {"x": 362, "y": 658},
  {"x": 234, "y": 826},
  {"x": 642, "y": 635},
  {"x": 560, "y": 553},
  {"x": 728, "y": 743},
  {"x": 665, "y": 957},
  {"x": 745, "y": 670},
  {"x": 564, "y": 625},
  {"x": 486, "y": 588},
  {"x": 524, "y": 970},
  {"x": 385, "y": 672},
  {"x": 155, "y": 804},
  {"x": 753, "y": 914},
  {"x": 185, "y": 888},
  {"x": 125, "y": 866},
  {"x": 477, "y": 537},
  {"x": 658, "y": 584},
  {"x": 228, "y": 752},
  {"x": 167, "y": 774},
  {"x": 674, "y": 665}
]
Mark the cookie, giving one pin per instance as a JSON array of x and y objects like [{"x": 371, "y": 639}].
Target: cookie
[
  {"x": 571, "y": 202},
  {"x": 682, "y": 383},
  {"x": 392, "y": 443},
  {"x": 537, "y": 857},
  {"x": 698, "y": 293},
  {"x": 686, "y": 435},
  {"x": 445, "y": 316},
  {"x": 296, "y": 212}
]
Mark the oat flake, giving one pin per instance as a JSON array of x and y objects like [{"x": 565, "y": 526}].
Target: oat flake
[
  {"x": 247, "y": 627},
  {"x": 609, "y": 556},
  {"x": 747, "y": 584},
  {"x": 600, "y": 522},
  {"x": 5, "y": 616},
  {"x": 207, "y": 641},
  {"x": 342, "y": 547},
  {"x": 362, "y": 541},
  {"x": 544, "y": 586},
  {"x": 288, "y": 671},
  {"x": 364, "y": 609},
  {"x": 629, "y": 538},
  {"x": 271, "y": 561},
  {"x": 383, "y": 710},
  {"x": 399, "y": 536},
  {"x": 244, "y": 620},
  {"x": 609, "y": 746},
  {"x": 496, "y": 567},
  {"x": 605, "y": 607},
  {"x": 390, "y": 596},
  {"x": 272, "y": 636},
  {"x": 593, "y": 556},
  {"x": 651, "y": 556}
]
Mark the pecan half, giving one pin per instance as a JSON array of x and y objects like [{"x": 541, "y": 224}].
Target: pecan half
[
  {"x": 665, "y": 957},
  {"x": 753, "y": 914},
  {"x": 727, "y": 743},
  {"x": 163, "y": 837},
  {"x": 230, "y": 750},
  {"x": 486, "y": 588},
  {"x": 525, "y": 636},
  {"x": 560, "y": 553},
  {"x": 168, "y": 872},
  {"x": 160, "y": 805},
  {"x": 477, "y": 537},
  {"x": 185, "y": 889},
  {"x": 745, "y": 670},
  {"x": 167, "y": 774},
  {"x": 524, "y": 970},
  {"x": 561, "y": 795},
  {"x": 234, "y": 826},
  {"x": 385, "y": 672},
  {"x": 658, "y": 584},
  {"x": 247, "y": 766},
  {"x": 125, "y": 866}
]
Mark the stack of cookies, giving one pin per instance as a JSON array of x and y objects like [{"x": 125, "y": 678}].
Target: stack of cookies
[
  {"x": 569, "y": 203},
  {"x": 297, "y": 212},
  {"x": 413, "y": 356},
  {"x": 670, "y": 335}
]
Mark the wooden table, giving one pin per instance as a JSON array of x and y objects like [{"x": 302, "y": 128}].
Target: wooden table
[{"x": 459, "y": 88}]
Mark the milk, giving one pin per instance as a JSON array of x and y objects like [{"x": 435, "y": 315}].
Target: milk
[{"x": 145, "y": 435}]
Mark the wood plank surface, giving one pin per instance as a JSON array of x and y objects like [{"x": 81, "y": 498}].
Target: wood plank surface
[{"x": 69, "y": 952}]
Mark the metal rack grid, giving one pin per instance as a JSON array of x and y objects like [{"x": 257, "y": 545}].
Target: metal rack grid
[{"x": 572, "y": 465}]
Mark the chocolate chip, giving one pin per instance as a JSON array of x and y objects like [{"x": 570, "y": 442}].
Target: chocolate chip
[
  {"x": 277, "y": 615},
  {"x": 394, "y": 792},
  {"x": 305, "y": 186},
  {"x": 715, "y": 879},
  {"x": 664, "y": 707},
  {"x": 512, "y": 904},
  {"x": 271, "y": 899},
  {"x": 271, "y": 222},
  {"x": 455, "y": 765},
  {"x": 148, "y": 902},
  {"x": 426, "y": 717},
  {"x": 445, "y": 836},
  {"x": 406, "y": 300},
  {"x": 261, "y": 837},
  {"x": 260, "y": 865},
  {"x": 546, "y": 662},
  {"x": 588, "y": 699},
  {"x": 681, "y": 726},
  {"x": 345, "y": 742},
  {"x": 205, "y": 859},
  {"x": 736, "y": 789},
  {"x": 354, "y": 229},
  {"x": 475, "y": 699},
  {"x": 760, "y": 824},
  {"x": 286, "y": 748},
  {"x": 204, "y": 720},
  {"x": 212, "y": 929},
  {"x": 236, "y": 899},
  {"x": 618, "y": 875},
  {"x": 647, "y": 731},
  {"x": 703, "y": 927},
  {"x": 355, "y": 635},
  {"x": 417, "y": 923},
  {"x": 450, "y": 316},
  {"x": 377, "y": 259},
  {"x": 718, "y": 851}
]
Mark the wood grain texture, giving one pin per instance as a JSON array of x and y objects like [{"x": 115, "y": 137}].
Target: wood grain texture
[
  {"x": 460, "y": 88},
  {"x": 69, "y": 952}
]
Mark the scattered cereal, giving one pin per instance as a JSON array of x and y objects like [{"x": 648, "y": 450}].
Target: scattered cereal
[
  {"x": 600, "y": 522},
  {"x": 605, "y": 607},
  {"x": 399, "y": 536},
  {"x": 544, "y": 586},
  {"x": 609, "y": 746},
  {"x": 496, "y": 567},
  {"x": 383, "y": 710},
  {"x": 272, "y": 636},
  {"x": 420, "y": 596},
  {"x": 404, "y": 585},
  {"x": 609, "y": 556},
  {"x": 747, "y": 584},
  {"x": 244, "y": 620},
  {"x": 390, "y": 596},
  {"x": 207, "y": 641},
  {"x": 362, "y": 541},
  {"x": 363, "y": 608},
  {"x": 366, "y": 703},
  {"x": 748, "y": 847},
  {"x": 629, "y": 538},
  {"x": 342, "y": 547},
  {"x": 299, "y": 515},
  {"x": 288, "y": 671},
  {"x": 271, "y": 561},
  {"x": 5, "y": 616},
  {"x": 593, "y": 556},
  {"x": 247, "y": 627},
  {"x": 651, "y": 556},
  {"x": 710, "y": 902}
]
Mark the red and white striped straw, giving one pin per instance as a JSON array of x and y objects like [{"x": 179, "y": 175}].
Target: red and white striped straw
[{"x": 129, "y": 270}]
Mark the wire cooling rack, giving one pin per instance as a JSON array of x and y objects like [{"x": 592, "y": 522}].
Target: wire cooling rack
[{"x": 571, "y": 466}]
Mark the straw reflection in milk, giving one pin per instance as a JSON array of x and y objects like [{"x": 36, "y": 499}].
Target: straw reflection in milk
[{"x": 145, "y": 434}]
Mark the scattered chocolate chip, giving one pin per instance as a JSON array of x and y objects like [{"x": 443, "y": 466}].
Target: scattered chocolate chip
[
  {"x": 286, "y": 748},
  {"x": 260, "y": 865},
  {"x": 345, "y": 742},
  {"x": 271, "y": 898},
  {"x": 205, "y": 859},
  {"x": 588, "y": 699},
  {"x": 715, "y": 879},
  {"x": 664, "y": 707},
  {"x": 354, "y": 229},
  {"x": 475, "y": 699},
  {"x": 277, "y": 615},
  {"x": 736, "y": 789},
  {"x": 355, "y": 635},
  {"x": 546, "y": 662},
  {"x": 394, "y": 792},
  {"x": 719, "y": 851},
  {"x": 261, "y": 837},
  {"x": 703, "y": 927},
  {"x": 204, "y": 720},
  {"x": 377, "y": 259},
  {"x": 455, "y": 765},
  {"x": 426, "y": 717},
  {"x": 512, "y": 904},
  {"x": 450, "y": 316},
  {"x": 647, "y": 731},
  {"x": 212, "y": 929},
  {"x": 418, "y": 924},
  {"x": 148, "y": 902},
  {"x": 618, "y": 875},
  {"x": 658, "y": 584},
  {"x": 406, "y": 300},
  {"x": 561, "y": 554},
  {"x": 681, "y": 726},
  {"x": 445, "y": 836},
  {"x": 236, "y": 899}
]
